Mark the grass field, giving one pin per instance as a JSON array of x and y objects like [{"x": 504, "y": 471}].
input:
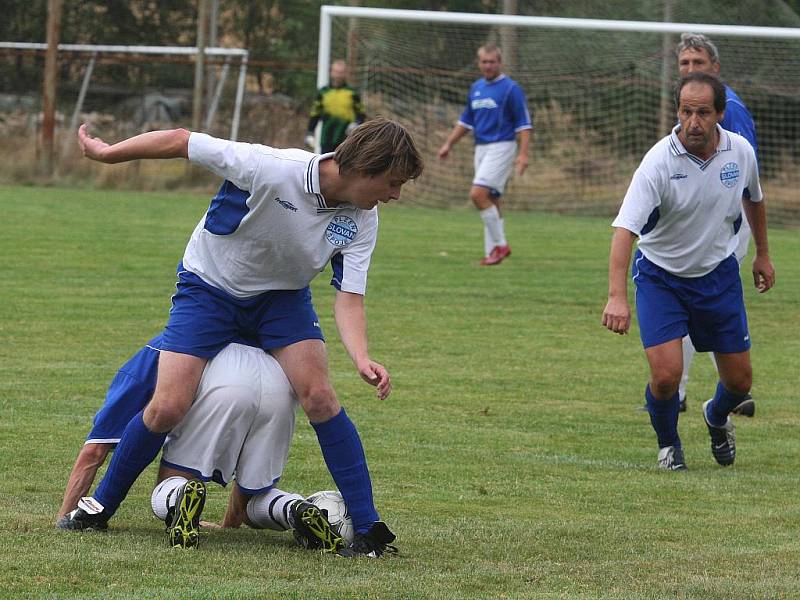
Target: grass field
[{"x": 510, "y": 460}]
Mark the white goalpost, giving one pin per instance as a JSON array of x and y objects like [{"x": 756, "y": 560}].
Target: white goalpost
[
  {"x": 93, "y": 52},
  {"x": 599, "y": 92}
]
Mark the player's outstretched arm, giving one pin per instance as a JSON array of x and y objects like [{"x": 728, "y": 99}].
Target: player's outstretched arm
[
  {"x": 171, "y": 143},
  {"x": 458, "y": 132},
  {"x": 89, "y": 460},
  {"x": 351, "y": 320},
  {"x": 617, "y": 313},
  {"x": 763, "y": 270}
]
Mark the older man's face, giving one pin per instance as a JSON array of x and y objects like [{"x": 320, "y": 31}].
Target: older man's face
[
  {"x": 698, "y": 119},
  {"x": 695, "y": 60}
]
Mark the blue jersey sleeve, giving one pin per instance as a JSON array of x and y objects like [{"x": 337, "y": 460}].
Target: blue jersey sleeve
[
  {"x": 738, "y": 119},
  {"x": 468, "y": 116},
  {"x": 521, "y": 118}
]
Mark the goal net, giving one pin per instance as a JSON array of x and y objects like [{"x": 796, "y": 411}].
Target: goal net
[{"x": 600, "y": 93}]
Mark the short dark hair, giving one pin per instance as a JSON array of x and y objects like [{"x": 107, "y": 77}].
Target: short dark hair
[
  {"x": 379, "y": 146},
  {"x": 714, "y": 82}
]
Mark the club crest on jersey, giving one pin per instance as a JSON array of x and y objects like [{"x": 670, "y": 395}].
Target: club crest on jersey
[
  {"x": 484, "y": 103},
  {"x": 729, "y": 174},
  {"x": 341, "y": 230}
]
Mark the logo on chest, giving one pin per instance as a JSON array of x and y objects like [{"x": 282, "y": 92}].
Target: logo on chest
[
  {"x": 729, "y": 174},
  {"x": 341, "y": 230},
  {"x": 483, "y": 103}
]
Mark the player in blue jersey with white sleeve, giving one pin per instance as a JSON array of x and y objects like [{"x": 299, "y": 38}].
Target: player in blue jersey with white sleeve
[
  {"x": 245, "y": 273},
  {"x": 497, "y": 114},
  {"x": 685, "y": 205},
  {"x": 697, "y": 54}
]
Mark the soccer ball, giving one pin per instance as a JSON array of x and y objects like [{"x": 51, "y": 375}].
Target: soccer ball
[{"x": 332, "y": 504}]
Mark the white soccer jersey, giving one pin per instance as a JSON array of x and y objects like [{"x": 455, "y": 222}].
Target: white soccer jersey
[
  {"x": 242, "y": 420},
  {"x": 278, "y": 232},
  {"x": 685, "y": 210}
]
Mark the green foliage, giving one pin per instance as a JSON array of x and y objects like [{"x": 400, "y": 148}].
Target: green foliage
[{"x": 510, "y": 459}]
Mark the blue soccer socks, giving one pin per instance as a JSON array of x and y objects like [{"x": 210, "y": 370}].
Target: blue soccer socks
[
  {"x": 664, "y": 418},
  {"x": 344, "y": 455},
  {"x": 137, "y": 448},
  {"x": 721, "y": 405}
]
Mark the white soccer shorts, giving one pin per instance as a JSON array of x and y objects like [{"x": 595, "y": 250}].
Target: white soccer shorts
[
  {"x": 493, "y": 165},
  {"x": 241, "y": 422}
]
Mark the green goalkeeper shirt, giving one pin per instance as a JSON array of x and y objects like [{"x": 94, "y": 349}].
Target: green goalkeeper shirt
[{"x": 336, "y": 107}]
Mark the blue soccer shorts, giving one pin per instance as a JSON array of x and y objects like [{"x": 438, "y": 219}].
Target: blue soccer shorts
[
  {"x": 204, "y": 319},
  {"x": 709, "y": 308}
]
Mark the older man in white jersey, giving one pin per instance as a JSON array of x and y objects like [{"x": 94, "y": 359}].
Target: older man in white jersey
[{"x": 685, "y": 205}]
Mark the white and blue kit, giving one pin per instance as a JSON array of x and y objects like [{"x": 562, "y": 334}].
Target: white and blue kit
[
  {"x": 496, "y": 111},
  {"x": 266, "y": 235},
  {"x": 687, "y": 212},
  {"x": 241, "y": 421}
]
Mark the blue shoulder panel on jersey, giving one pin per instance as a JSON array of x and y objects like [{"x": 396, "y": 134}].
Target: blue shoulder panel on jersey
[
  {"x": 227, "y": 210},
  {"x": 651, "y": 221},
  {"x": 337, "y": 264},
  {"x": 737, "y": 224}
]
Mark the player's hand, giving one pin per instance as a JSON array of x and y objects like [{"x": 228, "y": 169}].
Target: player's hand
[
  {"x": 376, "y": 374},
  {"x": 521, "y": 163},
  {"x": 763, "y": 273},
  {"x": 309, "y": 141},
  {"x": 92, "y": 147},
  {"x": 617, "y": 315},
  {"x": 443, "y": 152}
]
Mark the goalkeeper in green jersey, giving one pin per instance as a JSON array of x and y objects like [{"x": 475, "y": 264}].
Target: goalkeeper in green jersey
[{"x": 339, "y": 108}]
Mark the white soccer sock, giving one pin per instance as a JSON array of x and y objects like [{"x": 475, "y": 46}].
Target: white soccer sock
[
  {"x": 501, "y": 241},
  {"x": 488, "y": 242},
  {"x": 270, "y": 510},
  {"x": 164, "y": 496},
  {"x": 688, "y": 355},
  {"x": 491, "y": 220}
]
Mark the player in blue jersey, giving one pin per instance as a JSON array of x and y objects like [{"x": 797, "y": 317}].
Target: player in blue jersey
[
  {"x": 245, "y": 273},
  {"x": 685, "y": 204},
  {"x": 497, "y": 114},
  {"x": 241, "y": 420},
  {"x": 697, "y": 54}
]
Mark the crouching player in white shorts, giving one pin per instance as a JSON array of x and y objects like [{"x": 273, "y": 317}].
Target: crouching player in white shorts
[
  {"x": 685, "y": 205},
  {"x": 239, "y": 426}
]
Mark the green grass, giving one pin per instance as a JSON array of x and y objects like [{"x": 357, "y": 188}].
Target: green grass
[{"x": 510, "y": 459}]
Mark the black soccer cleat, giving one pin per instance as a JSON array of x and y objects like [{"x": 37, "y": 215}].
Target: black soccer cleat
[
  {"x": 312, "y": 529},
  {"x": 723, "y": 439},
  {"x": 89, "y": 516},
  {"x": 671, "y": 459},
  {"x": 746, "y": 408},
  {"x": 183, "y": 521},
  {"x": 373, "y": 543}
]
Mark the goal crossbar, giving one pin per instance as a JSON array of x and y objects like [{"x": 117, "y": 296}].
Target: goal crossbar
[{"x": 94, "y": 50}]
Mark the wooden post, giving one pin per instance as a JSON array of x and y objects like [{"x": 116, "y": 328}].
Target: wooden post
[
  {"x": 667, "y": 116},
  {"x": 49, "y": 88},
  {"x": 199, "y": 65},
  {"x": 508, "y": 39}
]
